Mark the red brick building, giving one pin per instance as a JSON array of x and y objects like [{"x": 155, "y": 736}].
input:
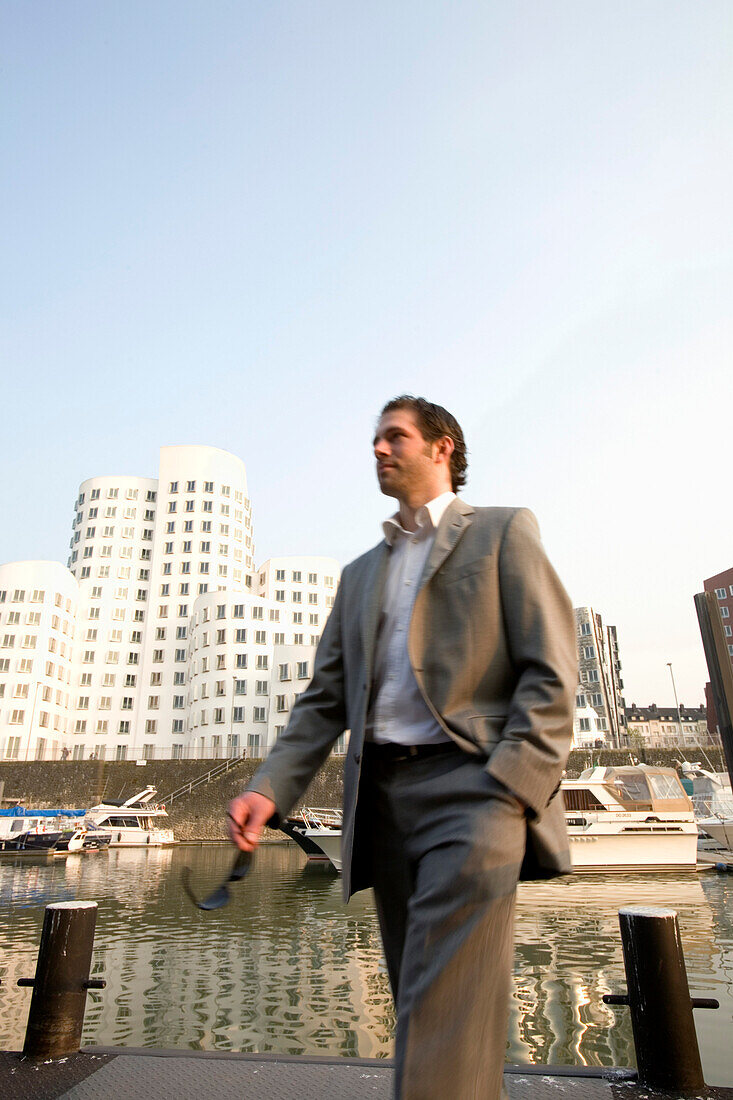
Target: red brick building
[{"x": 722, "y": 585}]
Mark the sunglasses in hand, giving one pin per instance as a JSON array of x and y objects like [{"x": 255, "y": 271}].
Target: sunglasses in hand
[{"x": 220, "y": 896}]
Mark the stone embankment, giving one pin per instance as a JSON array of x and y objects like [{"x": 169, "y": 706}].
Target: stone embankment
[
  {"x": 199, "y": 814},
  {"x": 196, "y": 815}
]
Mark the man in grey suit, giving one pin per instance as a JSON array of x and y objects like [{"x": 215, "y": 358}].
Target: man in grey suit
[{"x": 450, "y": 655}]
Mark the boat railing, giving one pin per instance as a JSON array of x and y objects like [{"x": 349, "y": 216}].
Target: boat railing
[
  {"x": 712, "y": 805},
  {"x": 315, "y": 817},
  {"x": 213, "y": 773}
]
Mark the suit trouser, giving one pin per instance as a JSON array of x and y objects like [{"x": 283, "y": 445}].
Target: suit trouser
[{"x": 446, "y": 843}]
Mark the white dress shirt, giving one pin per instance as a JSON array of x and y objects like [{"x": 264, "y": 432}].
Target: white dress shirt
[{"x": 398, "y": 712}]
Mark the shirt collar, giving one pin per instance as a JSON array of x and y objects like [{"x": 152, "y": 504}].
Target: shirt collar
[{"x": 427, "y": 518}]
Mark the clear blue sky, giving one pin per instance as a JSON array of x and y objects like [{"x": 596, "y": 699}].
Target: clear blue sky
[{"x": 248, "y": 224}]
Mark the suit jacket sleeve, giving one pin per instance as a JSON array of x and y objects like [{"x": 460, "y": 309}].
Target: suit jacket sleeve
[
  {"x": 318, "y": 718},
  {"x": 540, "y": 630}
]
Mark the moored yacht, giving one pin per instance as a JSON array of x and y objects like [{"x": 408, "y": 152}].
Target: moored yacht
[
  {"x": 317, "y": 832},
  {"x": 46, "y": 832},
  {"x": 712, "y": 800},
  {"x": 136, "y": 822},
  {"x": 632, "y": 818}
]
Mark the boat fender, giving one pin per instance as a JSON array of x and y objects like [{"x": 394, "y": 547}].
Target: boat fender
[
  {"x": 724, "y": 866},
  {"x": 147, "y": 840},
  {"x": 119, "y": 837}
]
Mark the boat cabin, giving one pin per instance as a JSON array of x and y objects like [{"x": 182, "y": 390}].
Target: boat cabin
[{"x": 636, "y": 788}]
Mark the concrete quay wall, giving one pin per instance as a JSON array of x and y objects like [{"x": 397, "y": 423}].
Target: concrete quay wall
[{"x": 199, "y": 815}]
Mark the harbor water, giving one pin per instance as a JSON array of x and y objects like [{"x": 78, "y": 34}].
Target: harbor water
[{"x": 286, "y": 967}]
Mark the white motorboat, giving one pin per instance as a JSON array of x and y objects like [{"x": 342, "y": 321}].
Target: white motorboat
[
  {"x": 317, "y": 832},
  {"x": 48, "y": 832},
  {"x": 712, "y": 800},
  {"x": 632, "y": 818},
  {"x": 136, "y": 822}
]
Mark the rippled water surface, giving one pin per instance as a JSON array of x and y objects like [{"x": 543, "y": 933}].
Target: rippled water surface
[{"x": 286, "y": 967}]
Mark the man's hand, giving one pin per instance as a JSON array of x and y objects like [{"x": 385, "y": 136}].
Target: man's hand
[{"x": 246, "y": 817}]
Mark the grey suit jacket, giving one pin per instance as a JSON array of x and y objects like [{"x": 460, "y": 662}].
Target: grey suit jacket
[{"x": 492, "y": 645}]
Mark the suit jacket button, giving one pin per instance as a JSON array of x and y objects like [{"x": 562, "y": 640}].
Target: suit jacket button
[{"x": 357, "y": 758}]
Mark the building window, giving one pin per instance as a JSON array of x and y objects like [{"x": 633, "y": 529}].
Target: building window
[
  {"x": 262, "y": 661},
  {"x": 260, "y": 687},
  {"x": 302, "y": 670},
  {"x": 238, "y": 714},
  {"x": 259, "y": 715}
]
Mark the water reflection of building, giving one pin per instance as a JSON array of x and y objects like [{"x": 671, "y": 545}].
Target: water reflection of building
[
  {"x": 288, "y": 970},
  {"x": 569, "y": 954},
  {"x": 285, "y": 967}
]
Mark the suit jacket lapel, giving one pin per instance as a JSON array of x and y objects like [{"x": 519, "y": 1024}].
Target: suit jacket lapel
[
  {"x": 372, "y": 602},
  {"x": 456, "y": 518}
]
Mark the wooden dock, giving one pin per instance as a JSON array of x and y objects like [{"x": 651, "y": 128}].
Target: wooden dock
[{"x": 126, "y": 1073}]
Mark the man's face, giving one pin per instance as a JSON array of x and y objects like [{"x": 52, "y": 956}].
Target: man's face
[{"x": 404, "y": 458}]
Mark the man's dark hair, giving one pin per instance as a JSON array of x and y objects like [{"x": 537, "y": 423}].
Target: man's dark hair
[{"x": 434, "y": 422}]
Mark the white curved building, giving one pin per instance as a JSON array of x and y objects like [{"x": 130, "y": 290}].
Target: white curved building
[
  {"x": 203, "y": 542},
  {"x": 251, "y": 655},
  {"x": 111, "y": 557},
  {"x": 305, "y": 588},
  {"x": 172, "y": 643},
  {"x": 38, "y": 608}
]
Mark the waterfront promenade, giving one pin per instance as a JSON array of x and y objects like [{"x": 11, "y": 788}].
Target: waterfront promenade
[{"x": 98, "y": 1073}]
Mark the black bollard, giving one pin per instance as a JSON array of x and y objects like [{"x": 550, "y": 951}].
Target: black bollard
[
  {"x": 60, "y": 986},
  {"x": 667, "y": 1053}
]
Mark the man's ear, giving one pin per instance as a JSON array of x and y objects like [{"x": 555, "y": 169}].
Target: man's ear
[{"x": 444, "y": 447}]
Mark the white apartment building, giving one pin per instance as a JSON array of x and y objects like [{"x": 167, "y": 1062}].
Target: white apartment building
[
  {"x": 38, "y": 609},
  {"x": 144, "y": 647},
  {"x": 599, "y": 716}
]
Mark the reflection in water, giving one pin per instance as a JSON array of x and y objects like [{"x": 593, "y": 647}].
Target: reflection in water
[{"x": 285, "y": 967}]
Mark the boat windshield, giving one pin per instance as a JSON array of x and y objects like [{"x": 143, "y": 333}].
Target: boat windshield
[
  {"x": 631, "y": 787},
  {"x": 666, "y": 786}
]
